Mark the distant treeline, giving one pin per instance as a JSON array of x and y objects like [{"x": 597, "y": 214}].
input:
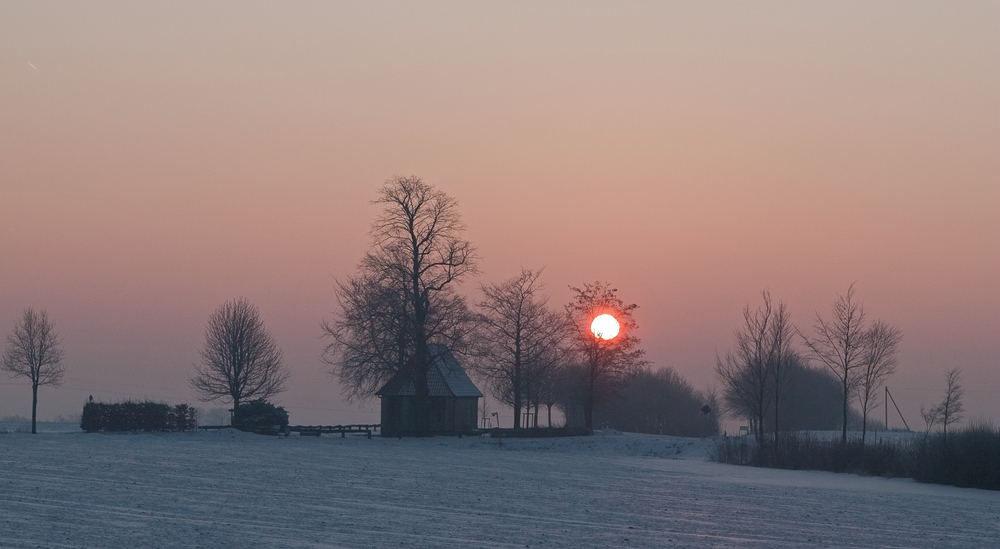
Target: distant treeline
[
  {"x": 137, "y": 416},
  {"x": 662, "y": 402},
  {"x": 659, "y": 402}
]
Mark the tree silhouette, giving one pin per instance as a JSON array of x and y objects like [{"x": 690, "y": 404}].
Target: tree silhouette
[
  {"x": 240, "y": 361},
  {"x": 606, "y": 363},
  {"x": 35, "y": 352},
  {"x": 519, "y": 336},
  {"x": 754, "y": 373},
  {"x": 402, "y": 298},
  {"x": 861, "y": 357},
  {"x": 878, "y": 363},
  {"x": 839, "y": 344},
  {"x": 951, "y": 408}
]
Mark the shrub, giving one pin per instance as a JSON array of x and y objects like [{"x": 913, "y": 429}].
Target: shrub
[
  {"x": 260, "y": 416},
  {"x": 182, "y": 418},
  {"x": 137, "y": 416},
  {"x": 968, "y": 458}
]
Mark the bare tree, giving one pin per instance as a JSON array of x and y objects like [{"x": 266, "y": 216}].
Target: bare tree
[
  {"x": 861, "y": 357},
  {"x": 370, "y": 339},
  {"x": 606, "y": 363},
  {"x": 35, "y": 352},
  {"x": 240, "y": 361},
  {"x": 780, "y": 354},
  {"x": 877, "y": 364},
  {"x": 840, "y": 343},
  {"x": 549, "y": 389},
  {"x": 931, "y": 416},
  {"x": 403, "y": 298},
  {"x": 545, "y": 369},
  {"x": 517, "y": 337},
  {"x": 755, "y": 372},
  {"x": 484, "y": 412},
  {"x": 951, "y": 408}
]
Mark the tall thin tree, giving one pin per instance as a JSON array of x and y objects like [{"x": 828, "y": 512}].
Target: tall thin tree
[
  {"x": 951, "y": 407},
  {"x": 878, "y": 363},
  {"x": 840, "y": 344},
  {"x": 35, "y": 352}
]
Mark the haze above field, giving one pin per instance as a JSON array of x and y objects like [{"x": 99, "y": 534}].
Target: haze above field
[{"x": 159, "y": 159}]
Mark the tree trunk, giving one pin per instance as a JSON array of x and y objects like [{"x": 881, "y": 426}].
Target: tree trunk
[
  {"x": 759, "y": 416},
  {"x": 588, "y": 405},
  {"x": 517, "y": 385},
  {"x": 843, "y": 435},
  {"x": 421, "y": 359},
  {"x": 236, "y": 407},
  {"x": 421, "y": 398},
  {"x": 34, "y": 406},
  {"x": 776, "y": 413}
]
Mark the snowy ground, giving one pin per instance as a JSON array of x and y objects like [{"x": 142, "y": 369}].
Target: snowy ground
[{"x": 230, "y": 489}]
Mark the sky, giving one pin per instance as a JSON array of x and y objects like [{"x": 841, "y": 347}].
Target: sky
[{"x": 158, "y": 159}]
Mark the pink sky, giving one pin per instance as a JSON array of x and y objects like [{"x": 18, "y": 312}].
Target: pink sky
[{"x": 159, "y": 159}]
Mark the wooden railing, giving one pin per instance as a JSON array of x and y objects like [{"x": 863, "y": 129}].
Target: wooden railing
[
  {"x": 317, "y": 430},
  {"x": 310, "y": 430}
]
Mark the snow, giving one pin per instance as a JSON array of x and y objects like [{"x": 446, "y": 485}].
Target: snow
[{"x": 231, "y": 489}]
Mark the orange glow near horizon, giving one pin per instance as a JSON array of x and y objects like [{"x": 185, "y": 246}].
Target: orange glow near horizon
[
  {"x": 605, "y": 327},
  {"x": 160, "y": 159}
]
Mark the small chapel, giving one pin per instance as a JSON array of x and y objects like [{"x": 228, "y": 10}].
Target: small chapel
[{"x": 454, "y": 399}]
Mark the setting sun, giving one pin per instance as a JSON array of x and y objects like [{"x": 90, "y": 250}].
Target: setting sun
[{"x": 604, "y": 327}]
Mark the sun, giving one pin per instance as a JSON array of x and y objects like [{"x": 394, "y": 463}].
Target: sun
[{"x": 605, "y": 327}]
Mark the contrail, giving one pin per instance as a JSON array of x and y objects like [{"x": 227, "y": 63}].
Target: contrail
[{"x": 32, "y": 66}]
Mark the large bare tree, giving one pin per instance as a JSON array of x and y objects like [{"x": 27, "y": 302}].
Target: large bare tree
[
  {"x": 408, "y": 275},
  {"x": 517, "y": 349},
  {"x": 606, "y": 363},
  {"x": 879, "y": 362},
  {"x": 35, "y": 352},
  {"x": 371, "y": 338},
  {"x": 240, "y": 361},
  {"x": 755, "y": 371}
]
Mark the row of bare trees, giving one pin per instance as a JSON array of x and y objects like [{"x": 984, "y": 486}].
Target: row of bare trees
[
  {"x": 403, "y": 298},
  {"x": 240, "y": 361},
  {"x": 754, "y": 373},
  {"x": 521, "y": 351}
]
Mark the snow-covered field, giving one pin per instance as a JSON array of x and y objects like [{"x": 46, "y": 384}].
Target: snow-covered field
[{"x": 230, "y": 489}]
